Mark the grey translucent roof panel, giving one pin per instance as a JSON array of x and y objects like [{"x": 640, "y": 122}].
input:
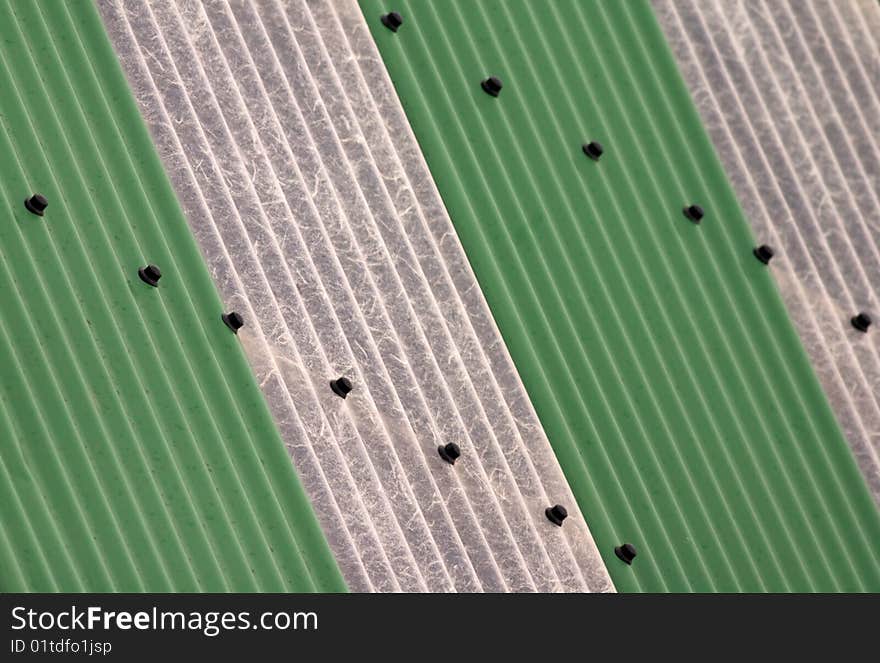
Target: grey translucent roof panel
[
  {"x": 790, "y": 93},
  {"x": 310, "y": 199}
]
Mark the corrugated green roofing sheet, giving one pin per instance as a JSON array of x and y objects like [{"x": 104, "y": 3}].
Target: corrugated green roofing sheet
[
  {"x": 136, "y": 451},
  {"x": 657, "y": 351}
]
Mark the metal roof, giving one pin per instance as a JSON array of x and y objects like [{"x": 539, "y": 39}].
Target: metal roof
[
  {"x": 136, "y": 450},
  {"x": 316, "y": 213},
  {"x": 790, "y": 93},
  {"x": 657, "y": 351}
]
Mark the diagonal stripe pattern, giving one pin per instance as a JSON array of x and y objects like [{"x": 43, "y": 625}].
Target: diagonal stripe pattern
[
  {"x": 790, "y": 93},
  {"x": 312, "y": 204}
]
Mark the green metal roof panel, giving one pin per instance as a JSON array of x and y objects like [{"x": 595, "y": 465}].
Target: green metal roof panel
[
  {"x": 657, "y": 351},
  {"x": 136, "y": 450}
]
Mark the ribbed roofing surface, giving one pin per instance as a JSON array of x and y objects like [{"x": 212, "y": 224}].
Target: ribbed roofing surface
[
  {"x": 790, "y": 93},
  {"x": 658, "y": 352},
  {"x": 136, "y": 450},
  {"x": 308, "y": 195}
]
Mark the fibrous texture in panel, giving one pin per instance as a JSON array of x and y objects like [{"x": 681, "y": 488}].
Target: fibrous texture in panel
[
  {"x": 310, "y": 199},
  {"x": 790, "y": 93},
  {"x": 137, "y": 452},
  {"x": 656, "y": 348}
]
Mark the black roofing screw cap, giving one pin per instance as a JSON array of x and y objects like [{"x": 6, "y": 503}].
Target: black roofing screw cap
[
  {"x": 861, "y": 322},
  {"x": 233, "y": 320},
  {"x": 341, "y": 387},
  {"x": 150, "y": 275},
  {"x": 392, "y": 21},
  {"x": 36, "y": 204},
  {"x": 449, "y": 452},
  {"x": 492, "y": 85},
  {"x": 556, "y": 514},
  {"x": 593, "y": 150},
  {"x": 764, "y": 253},
  {"x": 693, "y": 212},
  {"x": 626, "y": 552}
]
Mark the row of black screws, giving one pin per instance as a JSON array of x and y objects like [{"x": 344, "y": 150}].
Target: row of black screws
[
  {"x": 557, "y": 513},
  {"x": 150, "y": 274},
  {"x": 861, "y": 321},
  {"x": 594, "y": 150},
  {"x": 491, "y": 85},
  {"x": 393, "y": 21},
  {"x": 450, "y": 452}
]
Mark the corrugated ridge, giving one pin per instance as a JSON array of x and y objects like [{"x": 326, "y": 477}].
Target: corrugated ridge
[
  {"x": 789, "y": 93},
  {"x": 125, "y": 474},
  {"x": 698, "y": 430},
  {"x": 315, "y": 210}
]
